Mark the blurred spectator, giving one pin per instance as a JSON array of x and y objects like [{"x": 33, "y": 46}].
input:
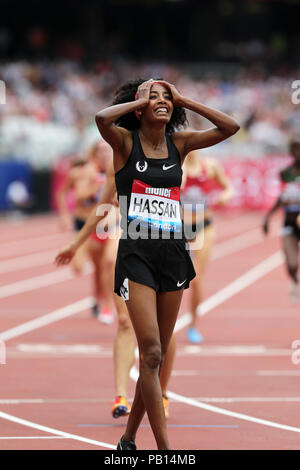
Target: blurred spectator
[
  {"x": 50, "y": 106},
  {"x": 18, "y": 196}
]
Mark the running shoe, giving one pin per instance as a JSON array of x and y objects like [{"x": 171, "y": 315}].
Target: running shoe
[
  {"x": 106, "y": 316},
  {"x": 121, "y": 407},
  {"x": 166, "y": 406},
  {"x": 294, "y": 293},
  {"x": 194, "y": 336},
  {"x": 126, "y": 445},
  {"x": 95, "y": 310}
]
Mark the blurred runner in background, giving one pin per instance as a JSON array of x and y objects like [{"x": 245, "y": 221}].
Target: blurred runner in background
[
  {"x": 86, "y": 180},
  {"x": 289, "y": 201},
  {"x": 202, "y": 177}
]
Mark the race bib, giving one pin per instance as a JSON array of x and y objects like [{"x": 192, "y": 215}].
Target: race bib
[
  {"x": 291, "y": 192},
  {"x": 158, "y": 208}
]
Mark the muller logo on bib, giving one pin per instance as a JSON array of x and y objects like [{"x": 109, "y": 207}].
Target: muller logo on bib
[
  {"x": 141, "y": 166},
  {"x": 155, "y": 207}
]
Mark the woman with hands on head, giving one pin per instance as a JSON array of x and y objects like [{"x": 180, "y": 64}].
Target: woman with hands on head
[{"x": 153, "y": 266}]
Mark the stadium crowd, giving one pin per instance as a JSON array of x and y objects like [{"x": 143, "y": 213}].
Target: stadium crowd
[{"x": 50, "y": 106}]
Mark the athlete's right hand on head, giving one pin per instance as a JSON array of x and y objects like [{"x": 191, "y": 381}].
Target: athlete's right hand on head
[
  {"x": 65, "y": 255},
  {"x": 143, "y": 91},
  {"x": 178, "y": 99}
]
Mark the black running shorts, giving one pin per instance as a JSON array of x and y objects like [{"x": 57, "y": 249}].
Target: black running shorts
[
  {"x": 78, "y": 224},
  {"x": 164, "y": 265},
  {"x": 290, "y": 228},
  {"x": 192, "y": 230}
]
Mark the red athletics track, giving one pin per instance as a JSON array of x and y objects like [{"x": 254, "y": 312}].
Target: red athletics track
[{"x": 238, "y": 390}]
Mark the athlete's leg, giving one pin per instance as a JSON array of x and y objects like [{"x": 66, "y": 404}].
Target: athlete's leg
[
  {"x": 107, "y": 265},
  {"x": 79, "y": 259},
  {"x": 167, "y": 365},
  {"x": 291, "y": 252},
  {"x": 123, "y": 348},
  {"x": 103, "y": 275},
  {"x": 124, "y": 353},
  {"x": 95, "y": 250},
  {"x": 166, "y": 301},
  {"x": 200, "y": 260},
  {"x": 153, "y": 318}
]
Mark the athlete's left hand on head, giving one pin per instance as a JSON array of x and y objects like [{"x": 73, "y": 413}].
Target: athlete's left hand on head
[
  {"x": 298, "y": 220},
  {"x": 177, "y": 98}
]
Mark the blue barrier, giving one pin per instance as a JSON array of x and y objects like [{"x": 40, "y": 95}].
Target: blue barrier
[{"x": 15, "y": 184}]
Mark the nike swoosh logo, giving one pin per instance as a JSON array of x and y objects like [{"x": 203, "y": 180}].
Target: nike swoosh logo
[
  {"x": 179, "y": 284},
  {"x": 168, "y": 167}
]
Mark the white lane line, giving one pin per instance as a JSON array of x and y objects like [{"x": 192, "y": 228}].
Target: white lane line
[
  {"x": 236, "y": 350},
  {"x": 19, "y": 231},
  {"x": 184, "y": 373},
  {"x": 42, "y": 401},
  {"x": 232, "y": 414},
  {"x": 66, "y": 348},
  {"x": 238, "y": 243},
  {"x": 251, "y": 276},
  {"x": 19, "y": 401},
  {"x": 249, "y": 399},
  {"x": 230, "y": 246},
  {"x": 28, "y": 261},
  {"x": 35, "y": 241},
  {"x": 31, "y": 437},
  {"x": 233, "y": 288},
  {"x": 52, "y": 317},
  {"x": 230, "y": 226},
  {"x": 26, "y": 350},
  {"x": 220, "y": 297},
  {"x": 39, "y": 350},
  {"x": 32, "y": 244},
  {"x": 220, "y": 250},
  {"x": 48, "y": 224},
  {"x": 244, "y": 281},
  {"x": 214, "y": 409},
  {"x": 57, "y": 432},
  {"x": 37, "y": 282},
  {"x": 278, "y": 373}
]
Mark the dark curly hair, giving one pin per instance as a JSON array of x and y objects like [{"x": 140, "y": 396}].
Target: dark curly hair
[{"x": 126, "y": 93}]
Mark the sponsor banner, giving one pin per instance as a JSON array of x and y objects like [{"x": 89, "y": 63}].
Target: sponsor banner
[{"x": 256, "y": 182}]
